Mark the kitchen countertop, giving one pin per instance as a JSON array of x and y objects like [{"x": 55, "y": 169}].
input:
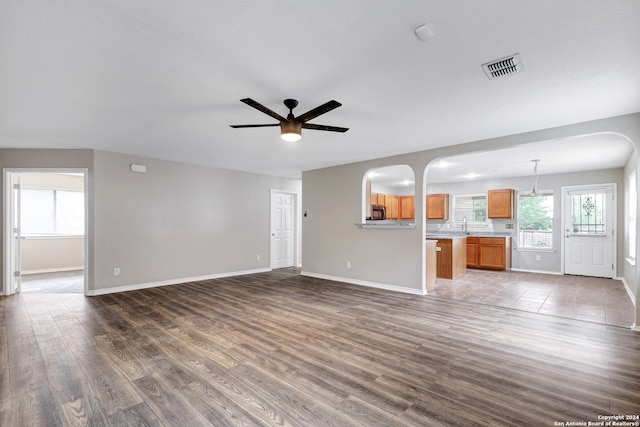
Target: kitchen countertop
[
  {"x": 458, "y": 234},
  {"x": 446, "y": 236}
]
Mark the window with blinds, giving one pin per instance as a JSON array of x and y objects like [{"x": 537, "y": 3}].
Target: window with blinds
[
  {"x": 52, "y": 212},
  {"x": 470, "y": 206}
]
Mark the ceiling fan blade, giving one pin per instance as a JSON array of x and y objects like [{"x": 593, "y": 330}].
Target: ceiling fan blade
[
  {"x": 323, "y": 127},
  {"x": 324, "y": 108},
  {"x": 250, "y": 102},
  {"x": 253, "y": 126}
]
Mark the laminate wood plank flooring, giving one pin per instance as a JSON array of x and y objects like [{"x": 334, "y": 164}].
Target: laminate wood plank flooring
[{"x": 280, "y": 349}]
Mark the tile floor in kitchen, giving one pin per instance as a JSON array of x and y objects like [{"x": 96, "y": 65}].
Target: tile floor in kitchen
[{"x": 577, "y": 297}]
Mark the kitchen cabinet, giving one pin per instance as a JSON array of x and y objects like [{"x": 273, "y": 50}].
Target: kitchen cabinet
[
  {"x": 472, "y": 252},
  {"x": 500, "y": 204},
  {"x": 391, "y": 203},
  {"x": 489, "y": 253},
  {"x": 407, "y": 205},
  {"x": 377, "y": 199},
  {"x": 397, "y": 207},
  {"x": 437, "y": 206},
  {"x": 451, "y": 257}
]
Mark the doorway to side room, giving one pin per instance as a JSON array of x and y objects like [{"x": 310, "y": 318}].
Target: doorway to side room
[{"x": 45, "y": 231}]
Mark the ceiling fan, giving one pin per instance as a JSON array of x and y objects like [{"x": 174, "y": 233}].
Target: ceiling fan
[{"x": 291, "y": 126}]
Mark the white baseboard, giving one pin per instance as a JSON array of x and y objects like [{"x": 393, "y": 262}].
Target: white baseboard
[
  {"x": 635, "y": 327},
  {"x": 364, "y": 283},
  {"x": 628, "y": 289},
  {"x": 52, "y": 270},
  {"x": 139, "y": 286},
  {"x": 522, "y": 270}
]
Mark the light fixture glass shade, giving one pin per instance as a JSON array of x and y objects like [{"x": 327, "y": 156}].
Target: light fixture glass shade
[{"x": 291, "y": 131}]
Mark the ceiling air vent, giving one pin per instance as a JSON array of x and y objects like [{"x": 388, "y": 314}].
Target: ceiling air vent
[{"x": 503, "y": 67}]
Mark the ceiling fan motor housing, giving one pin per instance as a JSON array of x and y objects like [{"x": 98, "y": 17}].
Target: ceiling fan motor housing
[{"x": 291, "y": 126}]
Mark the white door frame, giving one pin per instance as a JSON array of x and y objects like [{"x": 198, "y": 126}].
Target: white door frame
[
  {"x": 296, "y": 226},
  {"x": 614, "y": 220},
  {"x": 8, "y": 240}
]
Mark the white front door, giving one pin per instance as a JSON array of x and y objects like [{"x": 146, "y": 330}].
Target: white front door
[
  {"x": 282, "y": 230},
  {"x": 589, "y": 231}
]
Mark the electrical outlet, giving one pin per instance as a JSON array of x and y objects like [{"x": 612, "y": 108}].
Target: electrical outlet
[
  {"x": 538, "y": 258},
  {"x": 116, "y": 271},
  {"x": 348, "y": 264},
  {"x": 257, "y": 257}
]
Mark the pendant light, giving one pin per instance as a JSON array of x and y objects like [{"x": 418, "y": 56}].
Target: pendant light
[{"x": 535, "y": 193}]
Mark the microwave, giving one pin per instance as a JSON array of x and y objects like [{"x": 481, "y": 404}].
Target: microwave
[{"x": 378, "y": 212}]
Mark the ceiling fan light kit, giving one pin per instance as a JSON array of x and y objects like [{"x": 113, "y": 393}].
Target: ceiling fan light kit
[
  {"x": 290, "y": 131},
  {"x": 291, "y": 126}
]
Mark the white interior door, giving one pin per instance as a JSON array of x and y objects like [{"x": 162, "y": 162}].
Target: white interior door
[
  {"x": 589, "y": 232},
  {"x": 282, "y": 230}
]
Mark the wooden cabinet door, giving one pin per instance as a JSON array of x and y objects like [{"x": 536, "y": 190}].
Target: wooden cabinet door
[
  {"x": 443, "y": 259},
  {"x": 437, "y": 206},
  {"x": 500, "y": 204},
  {"x": 374, "y": 198},
  {"x": 380, "y": 199},
  {"x": 472, "y": 252},
  {"x": 492, "y": 254},
  {"x": 392, "y": 206},
  {"x": 407, "y": 205}
]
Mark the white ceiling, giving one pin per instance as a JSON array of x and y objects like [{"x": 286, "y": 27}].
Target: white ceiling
[
  {"x": 163, "y": 79},
  {"x": 582, "y": 153}
]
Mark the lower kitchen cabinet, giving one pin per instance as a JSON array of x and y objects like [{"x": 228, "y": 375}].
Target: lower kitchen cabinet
[
  {"x": 451, "y": 258},
  {"x": 472, "y": 252},
  {"x": 489, "y": 253}
]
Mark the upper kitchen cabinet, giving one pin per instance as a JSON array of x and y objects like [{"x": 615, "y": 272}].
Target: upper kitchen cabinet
[
  {"x": 438, "y": 206},
  {"x": 407, "y": 207},
  {"x": 500, "y": 204}
]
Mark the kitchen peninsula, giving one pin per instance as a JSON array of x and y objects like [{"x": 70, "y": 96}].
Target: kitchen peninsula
[{"x": 451, "y": 255}]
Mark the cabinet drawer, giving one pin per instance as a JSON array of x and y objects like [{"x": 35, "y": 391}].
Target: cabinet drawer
[{"x": 491, "y": 241}]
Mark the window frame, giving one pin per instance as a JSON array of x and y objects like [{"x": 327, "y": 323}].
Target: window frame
[
  {"x": 55, "y": 220},
  {"x": 470, "y": 222},
  {"x": 520, "y": 218}
]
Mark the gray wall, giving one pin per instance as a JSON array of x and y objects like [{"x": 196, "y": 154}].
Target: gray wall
[
  {"x": 176, "y": 221},
  {"x": 333, "y": 198},
  {"x": 550, "y": 262}
]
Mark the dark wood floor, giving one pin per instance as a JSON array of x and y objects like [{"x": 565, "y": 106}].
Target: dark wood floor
[{"x": 280, "y": 349}]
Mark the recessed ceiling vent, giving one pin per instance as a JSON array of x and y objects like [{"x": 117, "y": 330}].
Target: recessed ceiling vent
[{"x": 503, "y": 67}]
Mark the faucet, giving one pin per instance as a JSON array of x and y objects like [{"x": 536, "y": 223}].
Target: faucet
[{"x": 464, "y": 225}]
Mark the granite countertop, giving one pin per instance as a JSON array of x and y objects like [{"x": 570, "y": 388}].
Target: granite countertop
[
  {"x": 390, "y": 224},
  {"x": 446, "y": 236},
  {"x": 458, "y": 234}
]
